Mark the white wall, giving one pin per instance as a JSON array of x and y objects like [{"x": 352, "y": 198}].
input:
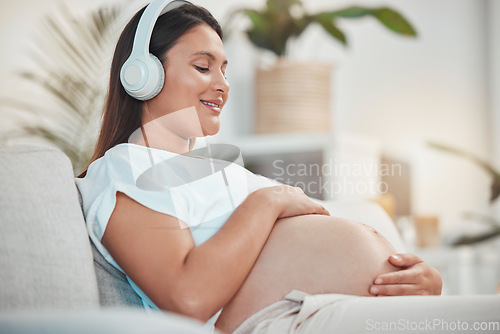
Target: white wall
[
  {"x": 405, "y": 92},
  {"x": 399, "y": 91}
]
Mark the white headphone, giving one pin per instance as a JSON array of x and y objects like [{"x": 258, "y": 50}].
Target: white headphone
[{"x": 142, "y": 75}]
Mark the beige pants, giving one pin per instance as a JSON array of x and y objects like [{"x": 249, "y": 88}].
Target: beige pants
[{"x": 300, "y": 312}]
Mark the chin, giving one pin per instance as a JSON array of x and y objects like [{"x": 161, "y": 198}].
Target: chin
[{"x": 211, "y": 130}]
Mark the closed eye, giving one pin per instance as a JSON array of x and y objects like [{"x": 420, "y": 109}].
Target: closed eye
[{"x": 201, "y": 69}]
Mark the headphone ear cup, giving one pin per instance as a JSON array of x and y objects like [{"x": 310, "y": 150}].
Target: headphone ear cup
[
  {"x": 156, "y": 78},
  {"x": 143, "y": 78},
  {"x": 134, "y": 76}
]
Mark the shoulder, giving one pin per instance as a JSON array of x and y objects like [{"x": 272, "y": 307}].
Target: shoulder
[{"x": 117, "y": 170}]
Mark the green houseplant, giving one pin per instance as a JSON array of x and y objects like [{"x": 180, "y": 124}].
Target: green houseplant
[
  {"x": 282, "y": 104},
  {"x": 282, "y": 20}
]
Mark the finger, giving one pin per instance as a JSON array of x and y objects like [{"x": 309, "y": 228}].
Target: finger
[
  {"x": 396, "y": 290},
  {"x": 405, "y": 276},
  {"x": 324, "y": 211},
  {"x": 298, "y": 190},
  {"x": 404, "y": 260},
  {"x": 319, "y": 210}
]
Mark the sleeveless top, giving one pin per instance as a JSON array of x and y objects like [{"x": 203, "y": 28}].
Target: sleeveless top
[{"x": 201, "y": 190}]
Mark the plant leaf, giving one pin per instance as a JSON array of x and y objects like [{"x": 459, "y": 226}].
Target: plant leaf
[
  {"x": 349, "y": 12},
  {"x": 495, "y": 186},
  {"x": 53, "y": 137},
  {"x": 280, "y": 6},
  {"x": 300, "y": 25},
  {"x": 275, "y": 25},
  {"x": 259, "y": 21},
  {"x": 390, "y": 18},
  {"x": 54, "y": 91},
  {"x": 495, "y": 189},
  {"x": 270, "y": 30},
  {"x": 262, "y": 40},
  {"x": 394, "y": 21},
  {"x": 469, "y": 156},
  {"x": 481, "y": 218},
  {"x": 467, "y": 240},
  {"x": 70, "y": 57},
  {"x": 326, "y": 22}
]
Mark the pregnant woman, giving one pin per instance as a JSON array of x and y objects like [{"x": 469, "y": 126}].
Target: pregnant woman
[{"x": 227, "y": 245}]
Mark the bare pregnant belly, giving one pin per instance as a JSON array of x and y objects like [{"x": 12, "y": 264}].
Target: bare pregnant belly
[{"x": 312, "y": 253}]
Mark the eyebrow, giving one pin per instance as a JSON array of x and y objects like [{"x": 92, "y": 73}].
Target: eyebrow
[{"x": 209, "y": 55}]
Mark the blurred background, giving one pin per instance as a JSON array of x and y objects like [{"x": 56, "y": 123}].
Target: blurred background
[{"x": 396, "y": 108}]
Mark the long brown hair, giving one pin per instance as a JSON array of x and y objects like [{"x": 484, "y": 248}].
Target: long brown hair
[{"x": 122, "y": 113}]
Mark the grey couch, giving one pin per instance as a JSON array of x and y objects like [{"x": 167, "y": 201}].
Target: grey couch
[{"x": 52, "y": 278}]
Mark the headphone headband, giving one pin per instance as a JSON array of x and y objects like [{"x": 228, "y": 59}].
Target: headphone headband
[
  {"x": 147, "y": 23},
  {"x": 142, "y": 75}
]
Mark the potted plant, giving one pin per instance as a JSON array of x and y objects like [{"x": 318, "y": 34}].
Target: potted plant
[{"x": 285, "y": 91}]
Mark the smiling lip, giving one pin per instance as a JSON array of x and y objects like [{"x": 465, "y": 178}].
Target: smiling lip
[{"x": 214, "y": 104}]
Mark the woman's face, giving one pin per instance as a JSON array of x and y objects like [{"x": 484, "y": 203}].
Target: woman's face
[{"x": 195, "y": 89}]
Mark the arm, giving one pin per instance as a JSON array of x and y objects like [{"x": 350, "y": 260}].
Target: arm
[
  {"x": 416, "y": 278},
  {"x": 162, "y": 259}
]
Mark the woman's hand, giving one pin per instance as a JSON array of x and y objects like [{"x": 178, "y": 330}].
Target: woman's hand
[
  {"x": 416, "y": 277},
  {"x": 291, "y": 201}
]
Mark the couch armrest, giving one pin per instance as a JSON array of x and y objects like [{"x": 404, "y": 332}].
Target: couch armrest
[{"x": 108, "y": 321}]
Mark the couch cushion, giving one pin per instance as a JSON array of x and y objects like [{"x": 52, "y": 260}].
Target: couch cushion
[
  {"x": 114, "y": 288},
  {"x": 45, "y": 257}
]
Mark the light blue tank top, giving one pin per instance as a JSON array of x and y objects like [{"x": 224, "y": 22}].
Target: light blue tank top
[{"x": 202, "y": 192}]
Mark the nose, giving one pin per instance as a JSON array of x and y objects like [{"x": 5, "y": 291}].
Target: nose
[{"x": 221, "y": 84}]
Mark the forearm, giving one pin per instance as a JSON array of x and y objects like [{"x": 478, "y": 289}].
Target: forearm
[{"x": 223, "y": 262}]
